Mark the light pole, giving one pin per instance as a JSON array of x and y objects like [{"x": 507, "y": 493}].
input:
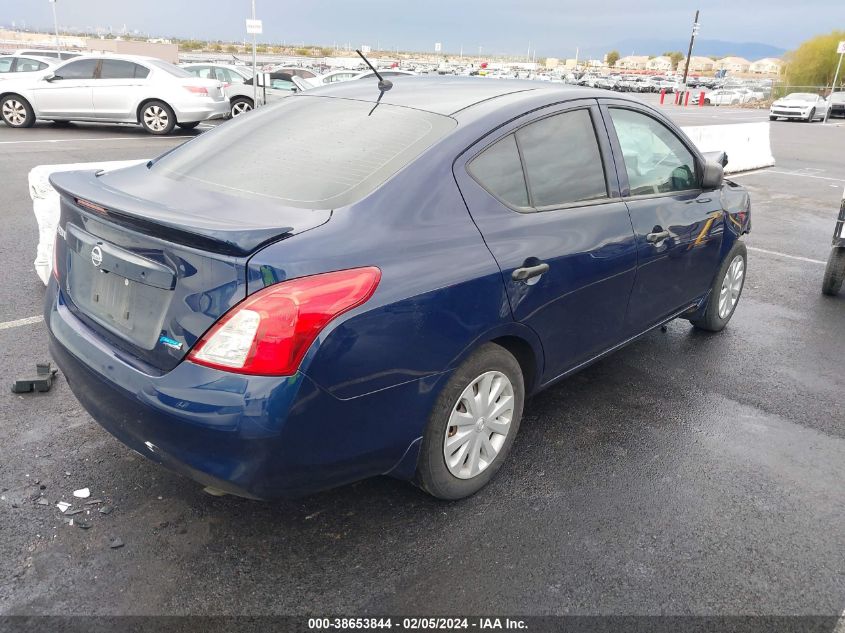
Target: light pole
[
  {"x": 254, "y": 67},
  {"x": 55, "y": 22}
]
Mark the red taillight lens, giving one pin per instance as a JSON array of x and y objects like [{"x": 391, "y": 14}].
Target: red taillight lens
[
  {"x": 197, "y": 90},
  {"x": 269, "y": 332}
]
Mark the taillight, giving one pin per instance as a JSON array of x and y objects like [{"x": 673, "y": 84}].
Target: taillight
[
  {"x": 56, "y": 257},
  {"x": 197, "y": 90},
  {"x": 269, "y": 332}
]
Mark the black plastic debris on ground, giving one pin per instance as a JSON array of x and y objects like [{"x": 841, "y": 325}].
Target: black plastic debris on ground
[
  {"x": 116, "y": 543},
  {"x": 42, "y": 381}
]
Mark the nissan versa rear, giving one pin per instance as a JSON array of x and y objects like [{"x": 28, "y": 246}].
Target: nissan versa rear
[{"x": 353, "y": 282}]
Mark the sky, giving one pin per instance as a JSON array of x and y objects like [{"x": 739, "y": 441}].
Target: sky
[{"x": 553, "y": 27}]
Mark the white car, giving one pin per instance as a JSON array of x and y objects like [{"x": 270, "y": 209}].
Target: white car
[
  {"x": 724, "y": 97},
  {"x": 804, "y": 106},
  {"x": 115, "y": 89},
  {"x": 11, "y": 66},
  {"x": 333, "y": 77},
  {"x": 53, "y": 54}
]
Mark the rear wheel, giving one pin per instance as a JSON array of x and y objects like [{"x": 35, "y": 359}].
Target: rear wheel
[
  {"x": 472, "y": 425},
  {"x": 157, "y": 118},
  {"x": 190, "y": 125},
  {"x": 17, "y": 112},
  {"x": 239, "y": 105},
  {"x": 725, "y": 292},
  {"x": 834, "y": 273}
]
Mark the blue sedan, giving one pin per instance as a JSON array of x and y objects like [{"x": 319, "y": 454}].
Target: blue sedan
[{"x": 356, "y": 282}]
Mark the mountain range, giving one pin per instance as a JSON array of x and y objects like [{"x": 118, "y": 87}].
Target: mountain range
[{"x": 706, "y": 48}]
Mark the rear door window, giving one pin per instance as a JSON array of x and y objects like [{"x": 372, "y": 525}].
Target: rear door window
[
  {"x": 499, "y": 170},
  {"x": 6, "y": 64},
  {"x": 562, "y": 161},
  {"x": 25, "y": 65},
  {"x": 121, "y": 69}
]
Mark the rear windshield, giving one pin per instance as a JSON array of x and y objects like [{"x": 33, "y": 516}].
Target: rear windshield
[
  {"x": 167, "y": 67},
  {"x": 307, "y": 151}
]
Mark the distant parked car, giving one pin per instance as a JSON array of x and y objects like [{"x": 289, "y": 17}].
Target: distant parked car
[
  {"x": 237, "y": 85},
  {"x": 54, "y": 54},
  {"x": 119, "y": 89},
  {"x": 369, "y": 74},
  {"x": 837, "y": 104},
  {"x": 723, "y": 97},
  {"x": 804, "y": 106},
  {"x": 333, "y": 77},
  {"x": 11, "y": 66}
]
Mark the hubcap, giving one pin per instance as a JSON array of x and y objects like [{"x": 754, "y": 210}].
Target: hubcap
[
  {"x": 156, "y": 118},
  {"x": 14, "y": 112},
  {"x": 240, "y": 107},
  {"x": 731, "y": 286},
  {"x": 478, "y": 425}
]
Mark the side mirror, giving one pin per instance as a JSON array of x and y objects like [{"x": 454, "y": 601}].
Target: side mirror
[
  {"x": 713, "y": 176},
  {"x": 50, "y": 77},
  {"x": 720, "y": 158}
]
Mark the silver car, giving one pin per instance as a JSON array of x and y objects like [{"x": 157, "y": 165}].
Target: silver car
[
  {"x": 119, "y": 89},
  {"x": 237, "y": 84}
]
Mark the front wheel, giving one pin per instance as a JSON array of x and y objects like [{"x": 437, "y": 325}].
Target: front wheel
[
  {"x": 17, "y": 112},
  {"x": 157, "y": 118},
  {"x": 834, "y": 273},
  {"x": 473, "y": 424},
  {"x": 725, "y": 292},
  {"x": 811, "y": 116},
  {"x": 772, "y": 118}
]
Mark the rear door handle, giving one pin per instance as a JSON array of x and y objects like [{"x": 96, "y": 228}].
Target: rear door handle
[
  {"x": 655, "y": 238},
  {"x": 521, "y": 274}
]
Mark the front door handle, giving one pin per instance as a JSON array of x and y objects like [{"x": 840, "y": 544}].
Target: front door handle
[
  {"x": 521, "y": 274},
  {"x": 656, "y": 238}
]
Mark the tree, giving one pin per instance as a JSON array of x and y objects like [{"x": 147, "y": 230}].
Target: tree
[
  {"x": 231, "y": 48},
  {"x": 813, "y": 63},
  {"x": 612, "y": 58},
  {"x": 676, "y": 57}
]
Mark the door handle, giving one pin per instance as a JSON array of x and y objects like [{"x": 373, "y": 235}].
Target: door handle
[
  {"x": 656, "y": 238},
  {"x": 521, "y": 274}
]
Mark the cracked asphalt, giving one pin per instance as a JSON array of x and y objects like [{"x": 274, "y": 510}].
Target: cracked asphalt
[{"x": 687, "y": 474}]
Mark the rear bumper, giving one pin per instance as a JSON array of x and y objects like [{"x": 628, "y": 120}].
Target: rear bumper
[
  {"x": 201, "y": 110},
  {"x": 255, "y": 436}
]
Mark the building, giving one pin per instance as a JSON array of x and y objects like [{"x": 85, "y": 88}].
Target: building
[
  {"x": 166, "y": 52},
  {"x": 552, "y": 63},
  {"x": 632, "y": 62},
  {"x": 733, "y": 64},
  {"x": 699, "y": 64},
  {"x": 767, "y": 66},
  {"x": 662, "y": 64}
]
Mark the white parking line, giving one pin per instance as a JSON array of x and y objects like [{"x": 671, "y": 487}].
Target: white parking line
[
  {"x": 105, "y": 138},
  {"x": 6, "y": 325},
  {"x": 777, "y": 254}
]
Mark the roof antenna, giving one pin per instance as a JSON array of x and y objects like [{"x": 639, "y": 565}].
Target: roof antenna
[{"x": 383, "y": 84}]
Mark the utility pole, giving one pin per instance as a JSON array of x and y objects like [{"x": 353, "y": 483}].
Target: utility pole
[
  {"x": 254, "y": 66},
  {"x": 55, "y": 23},
  {"x": 841, "y": 51},
  {"x": 695, "y": 26}
]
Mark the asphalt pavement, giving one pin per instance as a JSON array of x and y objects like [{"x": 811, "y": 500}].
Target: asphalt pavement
[{"x": 688, "y": 474}]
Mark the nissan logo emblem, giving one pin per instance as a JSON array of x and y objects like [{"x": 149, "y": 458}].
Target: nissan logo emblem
[{"x": 96, "y": 256}]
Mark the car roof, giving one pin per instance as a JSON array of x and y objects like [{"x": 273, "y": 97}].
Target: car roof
[{"x": 450, "y": 95}]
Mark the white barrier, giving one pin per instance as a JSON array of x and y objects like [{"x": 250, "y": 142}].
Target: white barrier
[
  {"x": 747, "y": 144},
  {"x": 45, "y": 205}
]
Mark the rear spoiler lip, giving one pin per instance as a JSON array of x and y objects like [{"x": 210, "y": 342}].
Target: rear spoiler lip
[{"x": 156, "y": 220}]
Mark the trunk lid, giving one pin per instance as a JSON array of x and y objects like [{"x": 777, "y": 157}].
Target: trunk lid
[{"x": 150, "y": 263}]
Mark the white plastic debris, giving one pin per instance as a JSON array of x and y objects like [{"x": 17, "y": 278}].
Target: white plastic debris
[
  {"x": 63, "y": 505},
  {"x": 82, "y": 493}
]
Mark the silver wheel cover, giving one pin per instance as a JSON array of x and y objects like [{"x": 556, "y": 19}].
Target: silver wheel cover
[
  {"x": 478, "y": 425},
  {"x": 14, "y": 112},
  {"x": 155, "y": 118},
  {"x": 240, "y": 107},
  {"x": 731, "y": 286}
]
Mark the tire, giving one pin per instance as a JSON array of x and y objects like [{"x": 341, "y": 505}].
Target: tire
[
  {"x": 716, "y": 315},
  {"x": 16, "y": 111},
  {"x": 492, "y": 368},
  {"x": 772, "y": 118},
  {"x": 811, "y": 116},
  {"x": 190, "y": 125},
  {"x": 239, "y": 105},
  {"x": 157, "y": 118},
  {"x": 834, "y": 272}
]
